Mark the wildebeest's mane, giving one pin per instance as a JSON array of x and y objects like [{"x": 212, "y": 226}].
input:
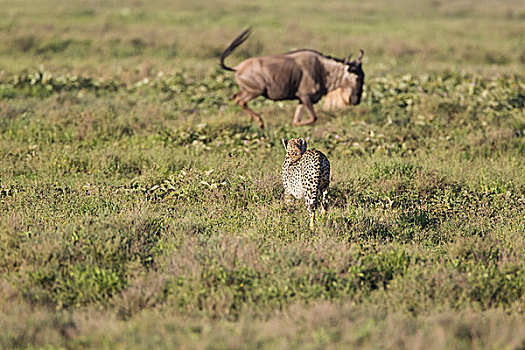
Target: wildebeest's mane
[{"x": 318, "y": 53}]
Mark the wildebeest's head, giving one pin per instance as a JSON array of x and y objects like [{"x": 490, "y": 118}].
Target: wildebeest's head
[{"x": 353, "y": 80}]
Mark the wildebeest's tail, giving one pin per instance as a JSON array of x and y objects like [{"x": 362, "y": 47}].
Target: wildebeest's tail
[{"x": 238, "y": 41}]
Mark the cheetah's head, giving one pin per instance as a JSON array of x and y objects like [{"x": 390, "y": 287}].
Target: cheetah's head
[{"x": 295, "y": 148}]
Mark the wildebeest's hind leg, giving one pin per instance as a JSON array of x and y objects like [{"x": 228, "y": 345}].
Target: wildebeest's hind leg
[
  {"x": 305, "y": 101},
  {"x": 241, "y": 99}
]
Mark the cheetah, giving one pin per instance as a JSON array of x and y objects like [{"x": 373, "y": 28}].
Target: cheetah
[{"x": 306, "y": 174}]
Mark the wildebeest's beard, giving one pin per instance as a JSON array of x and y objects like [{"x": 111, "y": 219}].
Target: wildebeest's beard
[
  {"x": 355, "y": 88},
  {"x": 350, "y": 89},
  {"x": 351, "y": 92}
]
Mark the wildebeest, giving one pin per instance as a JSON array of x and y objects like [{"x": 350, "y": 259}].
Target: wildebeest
[
  {"x": 304, "y": 75},
  {"x": 334, "y": 100}
]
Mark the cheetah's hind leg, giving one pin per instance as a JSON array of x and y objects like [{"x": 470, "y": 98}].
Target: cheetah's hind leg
[
  {"x": 310, "y": 206},
  {"x": 287, "y": 201},
  {"x": 311, "y": 212},
  {"x": 324, "y": 201}
]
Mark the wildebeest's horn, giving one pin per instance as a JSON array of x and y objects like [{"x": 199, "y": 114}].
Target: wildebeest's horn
[
  {"x": 347, "y": 59},
  {"x": 361, "y": 54}
]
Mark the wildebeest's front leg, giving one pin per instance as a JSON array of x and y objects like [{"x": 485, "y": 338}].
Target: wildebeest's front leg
[
  {"x": 305, "y": 101},
  {"x": 298, "y": 114},
  {"x": 241, "y": 99}
]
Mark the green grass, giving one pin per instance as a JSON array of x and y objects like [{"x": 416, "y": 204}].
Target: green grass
[{"x": 140, "y": 208}]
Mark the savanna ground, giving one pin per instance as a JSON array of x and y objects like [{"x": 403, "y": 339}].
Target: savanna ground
[{"x": 139, "y": 208}]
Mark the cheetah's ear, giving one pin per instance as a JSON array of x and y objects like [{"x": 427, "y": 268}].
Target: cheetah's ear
[
  {"x": 285, "y": 143},
  {"x": 303, "y": 145}
]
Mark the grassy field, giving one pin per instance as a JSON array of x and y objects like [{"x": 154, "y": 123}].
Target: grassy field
[{"x": 140, "y": 208}]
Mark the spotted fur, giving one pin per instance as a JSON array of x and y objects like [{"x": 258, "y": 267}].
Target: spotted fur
[{"x": 306, "y": 175}]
